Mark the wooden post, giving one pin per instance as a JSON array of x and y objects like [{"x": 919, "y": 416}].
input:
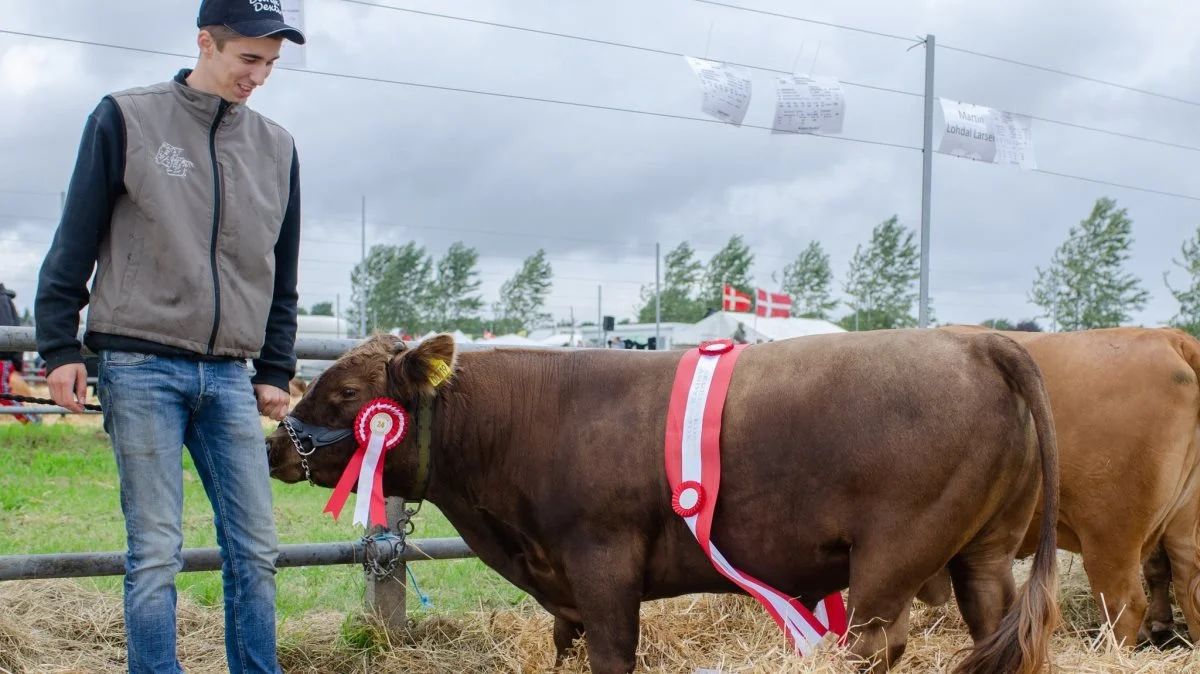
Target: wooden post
[{"x": 387, "y": 597}]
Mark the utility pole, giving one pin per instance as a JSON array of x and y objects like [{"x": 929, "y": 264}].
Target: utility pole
[
  {"x": 362, "y": 298},
  {"x": 926, "y": 181},
  {"x": 657, "y": 298}
]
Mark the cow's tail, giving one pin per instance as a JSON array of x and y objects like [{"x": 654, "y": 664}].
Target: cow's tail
[{"x": 1021, "y": 645}]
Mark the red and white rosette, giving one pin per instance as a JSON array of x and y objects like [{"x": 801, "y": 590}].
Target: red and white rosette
[
  {"x": 693, "y": 466},
  {"x": 380, "y": 425}
]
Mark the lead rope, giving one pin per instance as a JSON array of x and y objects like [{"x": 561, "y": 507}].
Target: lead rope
[{"x": 42, "y": 401}]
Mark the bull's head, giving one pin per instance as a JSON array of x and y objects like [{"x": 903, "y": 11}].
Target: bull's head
[{"x": 316, "y": 440}]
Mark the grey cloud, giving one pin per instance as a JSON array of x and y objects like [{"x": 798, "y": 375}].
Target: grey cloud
[{"x": 603, "y": 186}]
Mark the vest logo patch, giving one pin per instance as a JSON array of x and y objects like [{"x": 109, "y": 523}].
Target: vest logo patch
[
  {"x": 172, "y": 160},
  {"x": 267, "y": 6}
]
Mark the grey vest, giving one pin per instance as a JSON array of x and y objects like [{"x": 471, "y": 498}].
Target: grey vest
[{"x": 189, "y": 258}]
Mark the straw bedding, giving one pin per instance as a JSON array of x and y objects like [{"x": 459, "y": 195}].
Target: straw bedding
[{"x": 59, "y": 627}]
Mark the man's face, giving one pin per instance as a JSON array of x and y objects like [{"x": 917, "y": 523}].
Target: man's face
[{"x": 241, "y": 66}]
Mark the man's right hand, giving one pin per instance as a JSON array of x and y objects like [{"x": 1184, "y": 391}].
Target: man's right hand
[{"x": 68, "y": 386}]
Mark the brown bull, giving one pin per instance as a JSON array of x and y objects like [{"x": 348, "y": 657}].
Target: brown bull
[
  {"x": 1126, "y": 408},
  {"x": 864, "y": 460}
]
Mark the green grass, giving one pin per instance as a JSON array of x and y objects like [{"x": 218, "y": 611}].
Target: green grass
[{"x": 59, "y": 493}]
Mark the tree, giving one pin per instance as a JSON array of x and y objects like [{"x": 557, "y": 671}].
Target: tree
[
  {"x": 322, "y": 309},
  {"x": 524, "y": 294},
  {"x": 1085, "y": 286},
  {"x": 682, "y": 274},
  {"x": 395, "y": 282},
  {"x": 455, "y": 302},
  {"x": 998, "y": 324},
  {"x": 728, "y": 266},
  {"x": 1028, "y": 326},
  {"x": 27, "y": 318},
  {"x": 1188, "y": 317},
  {"x": 806, "y": 280},
  {"x": 882, "y": 281},
  {"x": 301, "y": 311}
]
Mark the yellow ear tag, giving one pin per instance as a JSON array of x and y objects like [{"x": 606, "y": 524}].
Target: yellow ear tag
[{"x": 441, "y": 372}]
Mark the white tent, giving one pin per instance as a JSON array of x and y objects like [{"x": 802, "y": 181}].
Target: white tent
[
  {"x": 724, "y": 324},
  {"x": 511, "y": 340}
]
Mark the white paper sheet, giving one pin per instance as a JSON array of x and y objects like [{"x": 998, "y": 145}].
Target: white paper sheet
[
  {"x": 291, "y": 55},
  {"x": 806, "y": 104},
  {"x": 985, "y": 134},
  {"x": 726, "y": 89}
]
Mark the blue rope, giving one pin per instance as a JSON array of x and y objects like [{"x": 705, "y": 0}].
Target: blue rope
[{"x": 425, "y": 603}]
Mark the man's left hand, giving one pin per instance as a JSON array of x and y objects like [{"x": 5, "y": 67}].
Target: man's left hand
[{"x": 273, "y": 402}]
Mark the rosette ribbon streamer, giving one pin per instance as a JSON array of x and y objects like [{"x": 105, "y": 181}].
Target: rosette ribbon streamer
[
  {"x": 693, "y": 464},
  {"x": 380, "y": 425}
]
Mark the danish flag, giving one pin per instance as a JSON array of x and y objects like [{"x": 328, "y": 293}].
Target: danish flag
[
  {"x": 734, "y": 300},
  {"x": 774, "y": 305}
]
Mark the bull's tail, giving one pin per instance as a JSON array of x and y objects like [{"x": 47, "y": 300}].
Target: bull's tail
[{"x": 1022, "y": 643}]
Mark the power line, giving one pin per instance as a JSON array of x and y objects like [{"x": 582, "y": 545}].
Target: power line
[
  {"x": 1064, "y": 73},
  {"x": 1119, "y": 134},
  {"x": 480, "y": 92},
  {"x": 609, "y": 43},
  {"x": 830, "y": 24},
  {"x": 665, "y": 115},
  {"x": 1121, "y": 185}
]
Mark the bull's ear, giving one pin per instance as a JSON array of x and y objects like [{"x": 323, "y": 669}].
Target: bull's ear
[{"x": 422, "y": 368}]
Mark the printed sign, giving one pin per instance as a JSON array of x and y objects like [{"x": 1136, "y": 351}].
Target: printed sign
[
  {"x": 984, "y": 134},
  {"x": 726, "y": 89},
  {"x": 808, "y": 105}
]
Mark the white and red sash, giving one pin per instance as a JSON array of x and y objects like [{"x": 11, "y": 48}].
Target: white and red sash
[{"x": 693, "y": 462}]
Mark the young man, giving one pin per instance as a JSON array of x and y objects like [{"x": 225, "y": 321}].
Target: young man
[{"x": 188, "y": 204}]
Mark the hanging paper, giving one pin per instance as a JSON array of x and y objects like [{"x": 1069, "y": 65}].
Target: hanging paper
[
  {"x": 984, "y": 134},
  {"x": 292, "y": 54},
  {"x": 726, "y": 89},
  {"x": 807, "y": 104}
]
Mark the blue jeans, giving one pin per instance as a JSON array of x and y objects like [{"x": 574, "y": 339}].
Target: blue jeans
[{"x": 154, "y": 406}]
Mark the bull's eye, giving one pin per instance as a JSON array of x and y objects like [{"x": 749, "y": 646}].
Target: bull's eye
[{"x": 349, "y": 392}]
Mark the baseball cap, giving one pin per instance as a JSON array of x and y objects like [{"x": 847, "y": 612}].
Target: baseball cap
[{"x": 251, "y": 18}]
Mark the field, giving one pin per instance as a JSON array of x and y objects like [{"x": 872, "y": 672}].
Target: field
[{"x": 58, "y": 494}]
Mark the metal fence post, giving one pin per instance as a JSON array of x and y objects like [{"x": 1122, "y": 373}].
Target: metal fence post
[{"x": 387, "y": 596}]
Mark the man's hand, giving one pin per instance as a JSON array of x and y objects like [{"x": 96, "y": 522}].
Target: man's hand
[
  {"x": 273, "y": 402},
  {"x": 68, "y": 386}
]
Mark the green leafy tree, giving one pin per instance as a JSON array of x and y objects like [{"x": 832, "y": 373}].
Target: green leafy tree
[
  {"x": 1085, "y": 286},
  {"x": 999, "y": 324},
  {"x": 523, "y": 296},
  {"x": 730, "y": 265},
  {"x": 682, "y": 274},
  {"x": 395, "y": 282},
  {"x": 883, "y": 280},
  {"x": 807, "y": 280},
  {"x": 455, "y": 301},
  {"x": 322, "y": 309},
  {"x": 1188, "y": 317}
]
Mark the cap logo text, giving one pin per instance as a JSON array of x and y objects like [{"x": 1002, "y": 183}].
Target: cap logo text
[{"x": 267, "y": 6}]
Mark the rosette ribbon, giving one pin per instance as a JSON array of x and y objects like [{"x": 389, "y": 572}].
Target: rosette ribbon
[{"x": 380, "y": 425}]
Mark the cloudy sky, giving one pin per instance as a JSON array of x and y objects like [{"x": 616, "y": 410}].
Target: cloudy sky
[{"x": 599, "y": 188}]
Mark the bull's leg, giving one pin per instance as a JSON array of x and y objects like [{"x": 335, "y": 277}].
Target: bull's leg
[
  {"x": 936, "y": 590},
  {"x": 606, "y": 581},
  {"x": 1159, "y": 625},
  {"x": 881, "y": 595},
  {"x": 565, "y": 634},
  {"x": 1180, "y": 543},
  {"x": 1113, "y": 572},
  {"x": 984, "y": 587}
]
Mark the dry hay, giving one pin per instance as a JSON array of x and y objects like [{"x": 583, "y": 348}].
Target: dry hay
[{"x": 57, "y": 627}]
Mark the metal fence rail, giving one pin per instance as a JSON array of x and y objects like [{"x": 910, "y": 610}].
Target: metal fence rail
[{"x": 383, "y": 552}]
